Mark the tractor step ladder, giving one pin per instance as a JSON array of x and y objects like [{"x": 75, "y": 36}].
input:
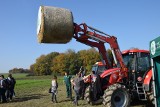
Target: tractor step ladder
[{"x": 140, "y": 91}]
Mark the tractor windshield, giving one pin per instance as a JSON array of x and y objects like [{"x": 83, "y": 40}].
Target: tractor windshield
[
  {"x": 98, "y": 69},
  {"x": 127, "y": 58}
]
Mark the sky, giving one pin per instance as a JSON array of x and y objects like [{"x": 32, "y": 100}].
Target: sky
[{"x": 134, "y": 22}]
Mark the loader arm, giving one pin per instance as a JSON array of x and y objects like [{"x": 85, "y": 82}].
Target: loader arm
[{"x": 95, "y": 38}]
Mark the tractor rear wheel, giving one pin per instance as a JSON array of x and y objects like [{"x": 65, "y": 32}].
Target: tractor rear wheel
[{"x": 116, "y": 96}]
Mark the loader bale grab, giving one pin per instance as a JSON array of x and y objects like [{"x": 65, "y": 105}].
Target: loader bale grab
[{"x": 55, "y": 25}]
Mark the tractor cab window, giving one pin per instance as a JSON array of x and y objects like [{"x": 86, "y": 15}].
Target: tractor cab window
[
  {"x": 128, "y": 59},
  {"x": 98, "y": 69},
  {"x": 143, "y": 61},
  {"x": 95, "y": 68}
]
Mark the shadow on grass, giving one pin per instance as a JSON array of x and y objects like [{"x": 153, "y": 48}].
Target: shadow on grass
[
  {"x": 138, "y": 103},
  {"x": 84, "y": 105},
  {"x": 71, "y": 101},
  {"x": 28, "y": 97},
  {"x": 66, "y": 100}
]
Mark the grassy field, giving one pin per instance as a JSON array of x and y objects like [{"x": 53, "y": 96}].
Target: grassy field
[{"x": 33, "y": 92}]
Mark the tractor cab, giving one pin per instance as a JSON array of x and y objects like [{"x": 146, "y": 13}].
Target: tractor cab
[
  {"x": 138, "y": 63},
  {"x": 99, "y": 68}
]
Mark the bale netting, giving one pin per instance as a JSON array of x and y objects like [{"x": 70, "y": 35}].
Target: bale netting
[{"x": 55, "y": 25}]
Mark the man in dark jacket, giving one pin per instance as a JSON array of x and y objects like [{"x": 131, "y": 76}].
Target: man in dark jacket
[
  {"x": 2, "y": 89},
  {"x": 95, "y": 85},
  {"x": 11, "y": 84}
]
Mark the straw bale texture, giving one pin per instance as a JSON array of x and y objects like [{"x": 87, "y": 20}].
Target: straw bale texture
[{"x": 55, "y": 25}]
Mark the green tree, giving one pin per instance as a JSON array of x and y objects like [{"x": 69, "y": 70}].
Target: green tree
[
  {"x": 89, "y": 57},
  {"x": 71, "y": 61},
  {"x": 59, "y": 64},
  {"x": 43, "y": 64}
]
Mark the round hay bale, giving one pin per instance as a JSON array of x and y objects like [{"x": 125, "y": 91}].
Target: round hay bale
[{"x": 55, "y": 25}]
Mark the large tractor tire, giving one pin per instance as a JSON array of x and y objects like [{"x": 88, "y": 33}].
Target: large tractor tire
[
  {"x": 150, "y": 95},
  {"x": 55, "y": 25},
  {"x": 87, "y": 95},
  {"x": 116, "y": 96}
]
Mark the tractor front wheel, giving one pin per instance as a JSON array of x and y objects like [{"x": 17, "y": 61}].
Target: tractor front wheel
[
  {"x": 87, "y": 95},
  {"x": 150, "y": 95},
  {"x": 116, "y": 96}
]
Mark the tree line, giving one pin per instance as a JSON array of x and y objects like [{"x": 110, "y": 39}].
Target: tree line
[
  {"x": 19, "y": 70},
  {"x": 69, "y": 61}
]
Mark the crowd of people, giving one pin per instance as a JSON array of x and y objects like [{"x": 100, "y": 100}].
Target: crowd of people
[
  {"x": 76, "y": 83},
  {"x": 7, "y": 88}
]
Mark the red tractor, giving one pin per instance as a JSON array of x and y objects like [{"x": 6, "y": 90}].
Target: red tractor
[
  {"x": 131, "y": 77},
  {"x": 138, "y": 85}
]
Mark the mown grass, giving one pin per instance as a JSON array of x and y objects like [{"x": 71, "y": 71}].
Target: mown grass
[{"x": 33, "y": 92}]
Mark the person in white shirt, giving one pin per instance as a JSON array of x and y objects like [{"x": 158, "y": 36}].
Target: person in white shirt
[{"x": 54, "y": 89}]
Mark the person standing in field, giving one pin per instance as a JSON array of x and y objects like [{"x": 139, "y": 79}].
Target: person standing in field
[
  {"x": 54, "y": 89},
  {"x": 67, "y": 81},
  {"x": 95, "y": 85},
  {"x": 83, "y": 86},
  {"x": 2, "y": 89},
  {"x": 77, "y": 83},
  {"x": 11, "y": 84},
  {"x": 77, "y": 86}
]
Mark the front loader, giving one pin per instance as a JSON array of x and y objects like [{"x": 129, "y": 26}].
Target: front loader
[{"x": 118, "y": 83}]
